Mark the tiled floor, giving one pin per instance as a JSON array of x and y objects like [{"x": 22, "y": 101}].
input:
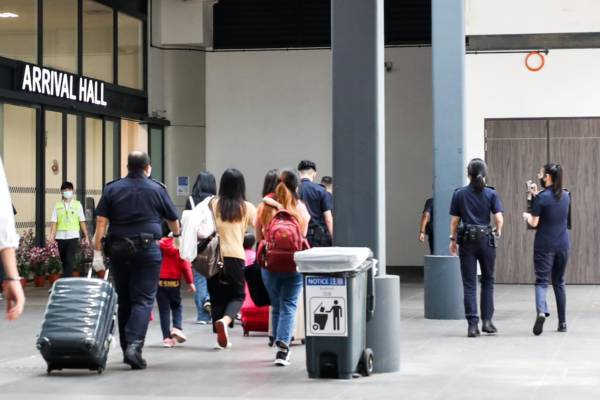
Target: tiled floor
[{"x": 438, "y": 361}]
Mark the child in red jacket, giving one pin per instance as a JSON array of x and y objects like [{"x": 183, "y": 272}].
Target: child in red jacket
[{"x": 168, "y": 295}]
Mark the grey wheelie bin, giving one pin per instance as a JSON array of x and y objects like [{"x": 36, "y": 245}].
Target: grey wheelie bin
[{"x": 339, "y": 299}]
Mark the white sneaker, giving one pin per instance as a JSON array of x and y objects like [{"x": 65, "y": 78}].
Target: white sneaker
[
  {"x": 178, "y": 335},
  {"x": 282, "y": 358},
  {"x": 217, "y": 346}
]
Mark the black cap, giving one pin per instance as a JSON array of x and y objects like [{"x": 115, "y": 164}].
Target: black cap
[{"x": 305, "y": 165}]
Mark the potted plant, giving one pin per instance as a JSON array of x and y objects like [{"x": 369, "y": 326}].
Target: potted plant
[
  {"x": 38, "y": 258},
  {"x": 24, "y": 271},
  {"x": 53, "y": 262},
  {"x": 85, "y": 257},
  {"x": 26, "y": 243}
]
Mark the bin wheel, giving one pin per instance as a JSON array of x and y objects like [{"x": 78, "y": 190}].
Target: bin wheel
[{"x": 366, "y": 362}]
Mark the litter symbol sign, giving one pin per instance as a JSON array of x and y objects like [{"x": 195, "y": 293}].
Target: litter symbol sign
[{"x": 326, "y": 306}]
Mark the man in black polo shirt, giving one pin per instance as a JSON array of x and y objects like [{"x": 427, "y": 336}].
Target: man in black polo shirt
[{"x": 319, "y": 204}]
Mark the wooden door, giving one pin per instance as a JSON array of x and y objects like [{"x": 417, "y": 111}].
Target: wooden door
[
  {"x": 575, "y": 144},
  {"x": 515, "y": 150}
]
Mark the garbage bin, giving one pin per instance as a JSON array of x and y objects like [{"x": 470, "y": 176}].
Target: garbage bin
[{"x": 339, "y": 296}]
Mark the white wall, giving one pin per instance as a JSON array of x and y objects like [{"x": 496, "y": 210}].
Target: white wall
[
  {"x": 485, "y": 17},
  {"x": 499, "y": 86},
  {"x": 270, "y": 109}
]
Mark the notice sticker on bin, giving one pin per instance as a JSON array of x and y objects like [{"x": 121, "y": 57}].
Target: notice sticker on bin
[{"x": 326, "y": 310}]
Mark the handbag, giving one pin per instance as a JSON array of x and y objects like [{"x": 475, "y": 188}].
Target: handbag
[
  {"x": 209, "y": 261},
  {"x": 256, "y": 286}
]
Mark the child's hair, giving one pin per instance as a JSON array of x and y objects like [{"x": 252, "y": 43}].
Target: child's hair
[
  {"x": 165, "y": 229},
  {"x": 249, "y": 240}
]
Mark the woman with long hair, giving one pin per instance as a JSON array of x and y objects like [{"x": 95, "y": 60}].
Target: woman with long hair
[
  {"x": 205, "y": 186},
  {"x": 284, "y": 288},
  {"x": 270, "y": 183},
  {"x": 550, "y": 215},
  {"x": 233, "y": 215},
  {"x": 472, "y": 206}
]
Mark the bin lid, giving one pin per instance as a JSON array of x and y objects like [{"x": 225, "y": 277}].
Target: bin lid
[{"x": 331, "y": 259}]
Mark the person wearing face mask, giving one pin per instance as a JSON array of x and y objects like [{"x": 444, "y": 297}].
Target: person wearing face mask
[
  {"x": 133, "y": 208},
  {"x": 550, "y": 216},
  {"x": 68, "y": 220}
]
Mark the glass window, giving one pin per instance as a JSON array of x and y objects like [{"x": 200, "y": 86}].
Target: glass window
[
  {"x": 93, "y": 159},
  {"x": 156, "y": 153},
  {"x": 111, "y": 151},
  {"x": 18, "y": 30},
  {"x": 97, "y": 41},
  {"x": 17, "y": 137},
  {"x": 53, "y": 169},
  {"x": 130, "y": 52},
  {"x": 133, "y": 137},
  {"x": 60, "y": 34}
]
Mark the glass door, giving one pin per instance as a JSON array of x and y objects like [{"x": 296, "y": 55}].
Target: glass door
[{"x": 18, "y": 149}]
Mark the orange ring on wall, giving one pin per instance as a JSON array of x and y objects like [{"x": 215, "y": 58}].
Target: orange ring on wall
[{"x": 542, "y": 59}]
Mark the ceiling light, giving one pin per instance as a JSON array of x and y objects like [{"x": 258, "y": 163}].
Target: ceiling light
[{"x": 8, "y": 15}]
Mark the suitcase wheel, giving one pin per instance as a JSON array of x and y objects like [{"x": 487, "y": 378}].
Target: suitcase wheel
[
  {"x": 303, "y": 341},
  {"x": 246, "y": 333},
  {"x": 100, "y": 370}
]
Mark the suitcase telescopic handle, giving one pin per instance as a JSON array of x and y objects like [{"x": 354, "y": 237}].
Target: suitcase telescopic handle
[{"x": 106, "y": 272}]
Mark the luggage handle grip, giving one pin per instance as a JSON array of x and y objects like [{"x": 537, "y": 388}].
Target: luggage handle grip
[{"x": 106, "y": 272}]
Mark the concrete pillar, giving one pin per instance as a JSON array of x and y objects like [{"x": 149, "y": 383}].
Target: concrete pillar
[
  {"x": 449, "y": 163},
  {"x": 359, "y": 158}
]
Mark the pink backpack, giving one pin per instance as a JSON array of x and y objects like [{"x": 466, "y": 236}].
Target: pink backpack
[{"x": 283, "y": 238}]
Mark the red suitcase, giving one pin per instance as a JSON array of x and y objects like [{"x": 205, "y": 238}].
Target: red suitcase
[{"x": 254, "y": 319}]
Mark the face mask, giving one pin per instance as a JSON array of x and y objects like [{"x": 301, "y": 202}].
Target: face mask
[{"x": 67, "y": 195}]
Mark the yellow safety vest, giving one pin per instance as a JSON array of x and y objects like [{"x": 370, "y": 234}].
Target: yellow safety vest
[{"x": 68, "y": 220}]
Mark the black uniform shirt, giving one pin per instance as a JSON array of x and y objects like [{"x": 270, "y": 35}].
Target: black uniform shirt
[
  {"x": 552, "y": 233},
  {"x": 317, "y": 200},
  {"x": 474, "y": 207},
  {"x": 428, "y": 207},
  {"x": 134, "y": 205}
]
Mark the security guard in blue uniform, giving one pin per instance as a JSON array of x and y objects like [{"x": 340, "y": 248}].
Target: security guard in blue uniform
[
  {"x": 551, "y": 216},
  {"x": 134, "y": 208},
  {"x": 472, "y": 236}
]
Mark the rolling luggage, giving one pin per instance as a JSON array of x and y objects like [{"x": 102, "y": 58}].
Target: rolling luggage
[
  {"x": 78, "y": 324},
  {"x": 254, "y": 318}
]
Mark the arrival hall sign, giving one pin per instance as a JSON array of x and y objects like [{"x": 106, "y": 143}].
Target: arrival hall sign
[{"x": 63, "y": 85}]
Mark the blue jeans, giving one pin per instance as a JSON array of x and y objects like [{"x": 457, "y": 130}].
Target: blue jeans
[
  {"x": 550, "y": 266},
  {"x": 169, "y": 301},
  {"x": 201, "y": 296},
  {"x": 469, "y": 253},
  {"x": 284, "y": 290}
]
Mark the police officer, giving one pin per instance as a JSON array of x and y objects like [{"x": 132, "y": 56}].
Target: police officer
[
  {"x": 550, "y": 214},
  {"x": 134, "y": 208},
  {"x": 319, "y": 204},
  {"x": 471, "y": 207}
]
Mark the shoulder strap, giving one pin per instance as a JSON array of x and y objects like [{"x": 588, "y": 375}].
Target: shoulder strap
[
  {"x": 191, "y": 199},
  {"x": 212, "y": 213}
]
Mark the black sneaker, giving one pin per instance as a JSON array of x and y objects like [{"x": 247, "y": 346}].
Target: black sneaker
[
  {"x": 562, "y": 326},
  {"x": 282, "y": 358},
  {"x": 538, "y": 327}
]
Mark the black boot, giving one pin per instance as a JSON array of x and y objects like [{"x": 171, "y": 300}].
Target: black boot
[
  {"x": 133, "y": 355},
  {"x": 488, "y": 327},
  {"x": 562, "y": 326},
  {"x": 473, "y": 330}
]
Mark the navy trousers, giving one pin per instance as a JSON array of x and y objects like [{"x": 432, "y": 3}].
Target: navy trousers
[
  {"x": 469, "y": 253},
  {"x": 136, "y": 281},
  {"x": 550, "y": 266},
  {"x": 169, "y": 301}
]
